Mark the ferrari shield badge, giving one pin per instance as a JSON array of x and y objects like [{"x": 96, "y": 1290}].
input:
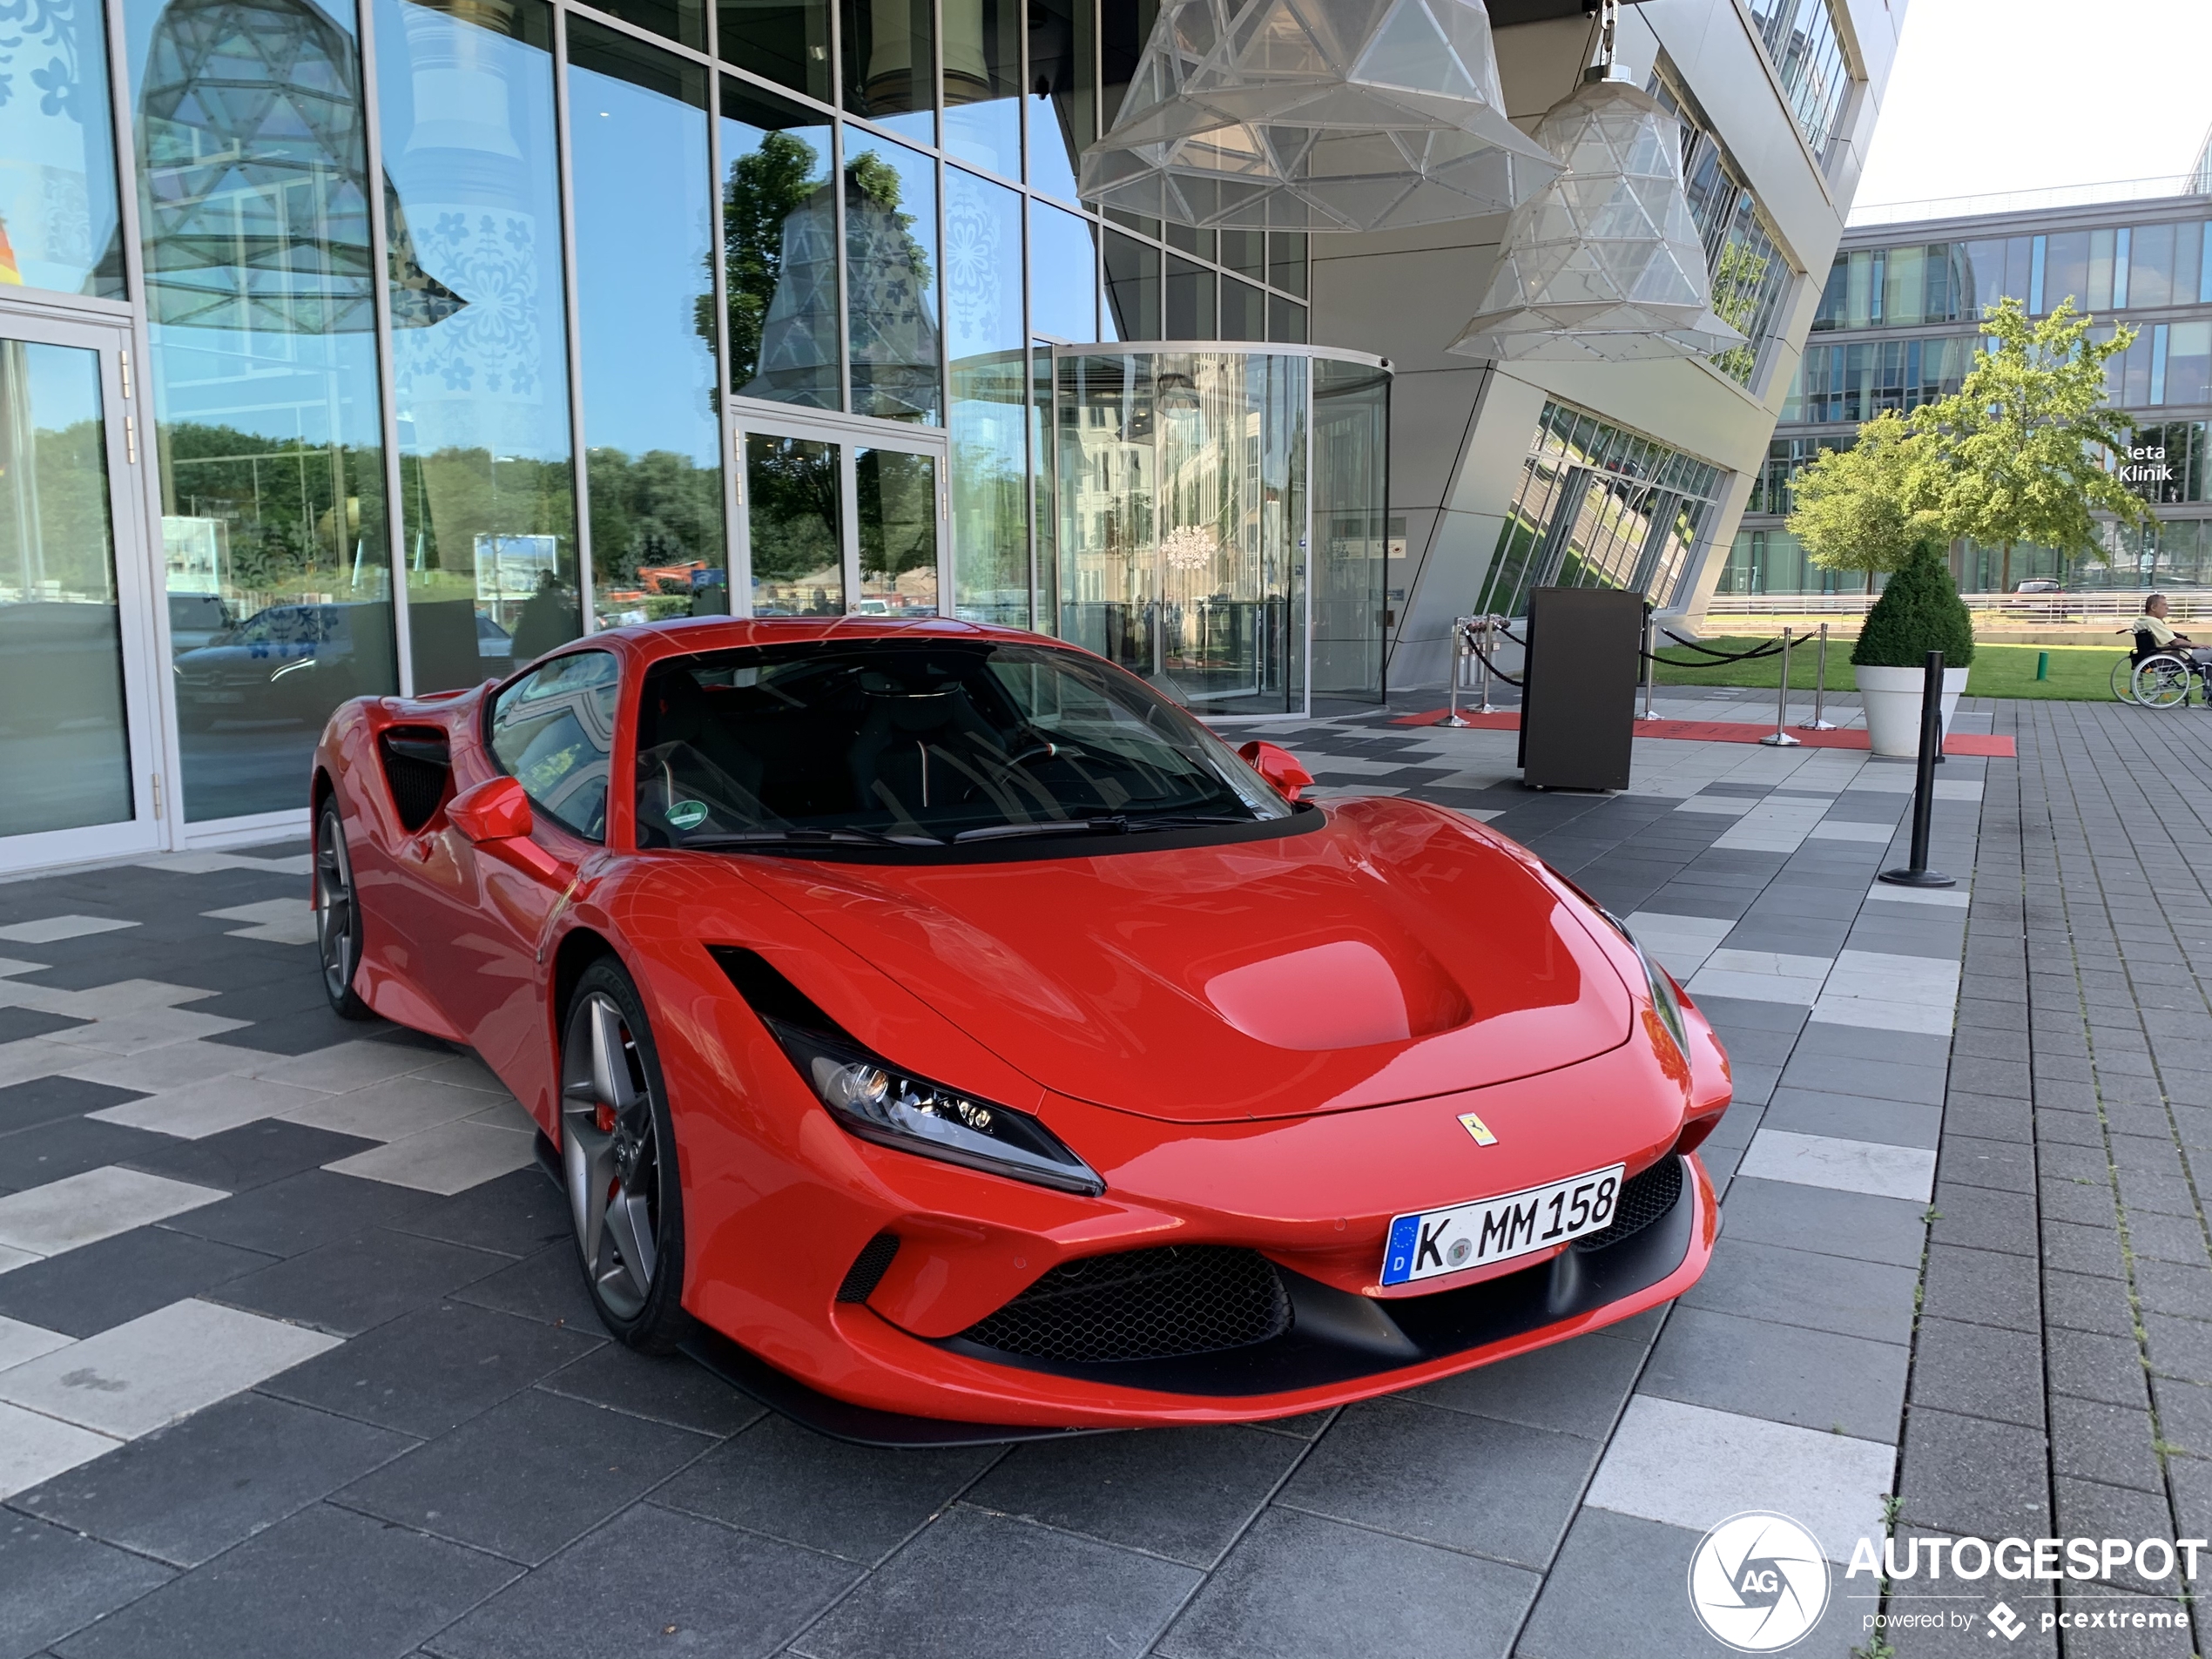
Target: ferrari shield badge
[{"x": 1477, "y": 1130}]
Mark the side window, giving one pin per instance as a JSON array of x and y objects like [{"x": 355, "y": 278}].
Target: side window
[{"x": 552, "y": 731}]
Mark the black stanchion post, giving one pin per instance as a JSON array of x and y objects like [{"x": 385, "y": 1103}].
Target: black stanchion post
[{"x": 1917, "y": 873}]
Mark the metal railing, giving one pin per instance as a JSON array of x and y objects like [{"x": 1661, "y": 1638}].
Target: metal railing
[
  {"x": 2013, "y": 201},
  {"x": 2113, "y": 606}
]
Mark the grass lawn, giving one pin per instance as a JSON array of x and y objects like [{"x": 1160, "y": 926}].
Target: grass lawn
[{"x": 2077, "y": 673}]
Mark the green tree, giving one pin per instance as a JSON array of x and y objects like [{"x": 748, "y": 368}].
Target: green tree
[
  {"x": 765, "y": 188},
  {"x": 1865, "y": 508},
  {"x": 2018, "y": 453}
]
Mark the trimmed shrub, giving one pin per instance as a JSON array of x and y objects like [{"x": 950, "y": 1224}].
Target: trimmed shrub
[{"x": 1919, "y": 611}]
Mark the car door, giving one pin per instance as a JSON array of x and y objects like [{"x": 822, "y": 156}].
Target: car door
[{"x": 553, "y": 731}]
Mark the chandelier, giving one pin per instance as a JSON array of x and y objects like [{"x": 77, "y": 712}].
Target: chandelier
[
  {"x": 1315, "y": 115},
  {"x": 1607, "y": 263}
]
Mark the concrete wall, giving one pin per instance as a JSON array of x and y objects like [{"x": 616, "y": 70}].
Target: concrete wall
[{"x": 1460, "y": 428}]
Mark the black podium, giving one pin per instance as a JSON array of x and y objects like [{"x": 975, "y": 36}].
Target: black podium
[{"x": 1578, "y": 700}]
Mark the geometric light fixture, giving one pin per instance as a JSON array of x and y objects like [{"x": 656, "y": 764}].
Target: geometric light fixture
[
  {"x": 1315, "y": 115},
  {"x": 1607, "y": 263}
]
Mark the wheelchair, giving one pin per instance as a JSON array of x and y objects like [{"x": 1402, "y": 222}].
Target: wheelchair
[{"x": 2153, "y": 679}]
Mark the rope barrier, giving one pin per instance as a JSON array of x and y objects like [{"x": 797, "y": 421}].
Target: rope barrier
[
  {"x": 1497, "y": 671},
  {"x": 1770, "y": 647}
]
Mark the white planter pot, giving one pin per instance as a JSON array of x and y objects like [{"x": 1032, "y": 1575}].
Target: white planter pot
[{"x": 1892, "y": 700}]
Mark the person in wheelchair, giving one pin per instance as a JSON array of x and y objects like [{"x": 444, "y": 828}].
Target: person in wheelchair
[{"x": 2156, "y": 638}]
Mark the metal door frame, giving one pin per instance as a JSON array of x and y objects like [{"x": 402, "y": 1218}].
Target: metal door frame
[
  {"x": 140, "y": 636},
  {"x": 849, "y": 434}
]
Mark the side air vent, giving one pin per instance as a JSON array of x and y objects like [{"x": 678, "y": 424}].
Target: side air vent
[
  {"x": 768, "y": 993},
  {"x": 1141, "y": 1305},
  {"x": 417, "y": 766},
  {"x": 1644, "y": 1199},
  {"x": 868, "y": 1268}
]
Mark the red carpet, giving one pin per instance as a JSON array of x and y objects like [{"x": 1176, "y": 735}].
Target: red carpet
[{"x": 1958, "y": 743}]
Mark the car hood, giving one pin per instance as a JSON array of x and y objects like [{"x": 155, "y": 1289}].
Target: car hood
[{"x": 1394, "y": 951}]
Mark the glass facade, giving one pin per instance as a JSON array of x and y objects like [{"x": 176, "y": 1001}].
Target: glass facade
[
  {"x": 1751, "y": 276},
  {"x": 2114, "y": 267},
  {"x": 1599, "y": 507},
  {"x": 477, "y": 325},
  {"x": 1807, "y": 49}
]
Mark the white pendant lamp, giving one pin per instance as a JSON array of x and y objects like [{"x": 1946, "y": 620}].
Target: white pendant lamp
[
  {"x": 1315, "y": 115},
  {"x": 1605, "y": 265}
]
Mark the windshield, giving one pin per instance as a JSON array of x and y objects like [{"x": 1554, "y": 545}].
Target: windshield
[{"x": 922, "y": 743}]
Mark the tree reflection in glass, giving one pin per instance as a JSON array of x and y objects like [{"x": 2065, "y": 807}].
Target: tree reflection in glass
[
  {"x": 792, "y": 494},
  {"x": 779, "y": 251}
]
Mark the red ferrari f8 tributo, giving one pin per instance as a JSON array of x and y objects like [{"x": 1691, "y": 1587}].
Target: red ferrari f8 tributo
[{"x": 936, "y": 1021}]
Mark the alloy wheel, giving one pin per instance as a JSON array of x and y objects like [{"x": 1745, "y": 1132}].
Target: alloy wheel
[
  {"x": 610, "y": 1150},
  {"x": 336, "y": 918}
]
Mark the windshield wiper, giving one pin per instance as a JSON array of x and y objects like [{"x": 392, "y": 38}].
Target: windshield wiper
[
  {"x": 1113, "y": 824},
  {"x": 804, "y": 837}
]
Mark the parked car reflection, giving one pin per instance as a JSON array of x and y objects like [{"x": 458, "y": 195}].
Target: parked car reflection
[
  {"x": 198, "y": 620},
  {"x": 291, "y": 662}
]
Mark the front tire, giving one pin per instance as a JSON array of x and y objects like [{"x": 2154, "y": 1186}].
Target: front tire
[
  {"x": 338, "y": 917},
  {"x": 618, "y": 1156}
]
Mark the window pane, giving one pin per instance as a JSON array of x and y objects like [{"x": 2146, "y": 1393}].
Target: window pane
[
  {"x": 683, "y": 21},
  {"x": 896, "y": 497},
  {"x": 1063, "y": 285},
  {"x": 64, "y": 749},
  {"x": 890, "y": 68},
  {"x": 793, "y": 511},
  {"x": 645, "y": 255},
  {"x": 553, "y": 732},
  {"x": 1122, "y": 30},
  {"x": 1244, "y": 311},
  {"x": 2066, "y": 268},
  {"x": 1061, "y": 66},
  {"x": 891, "y": 269},
  {"x": 1286, "y": 321},
  {"x": 1132, "y": 289},
  {"x": 784, "y": 41},
  {"x": 983, "y": 84},
  {"x": 268, "y": 434},
  {"x": 1245, "y": 253},
  {"x": 984, "y": 332},
  {"x": 2188, "y": 363},
  {"x": 57, "y": 210},
  {"x": 779, "y": 250},
  {"x": 1286, "y": 260},
  {"x": 1189, "y": 306},
  {"x": 1199, "y": 244},
  {"x": 2150, "y": 266}
]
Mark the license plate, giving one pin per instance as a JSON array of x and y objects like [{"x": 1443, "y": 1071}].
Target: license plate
[{"x": 1497, "y": 1229}]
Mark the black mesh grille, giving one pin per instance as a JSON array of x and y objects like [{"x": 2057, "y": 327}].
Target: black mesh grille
[
  {"x": 1142, "y": 1305},
  {"x": 416, "y": 764},
  {"x": 868, "y": 1268},
  {"x": 1644, "y": 1199}
]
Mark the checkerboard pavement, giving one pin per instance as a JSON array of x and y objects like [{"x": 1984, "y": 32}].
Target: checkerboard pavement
[{"x": 293, "y": 1355}]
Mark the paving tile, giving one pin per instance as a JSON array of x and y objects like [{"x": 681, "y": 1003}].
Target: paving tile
[
  {"x": 186, "y": 1493},
  {"x": 1387, "y": 1464},
  {"x": 427, "y": 1372},
  {"x": 35, "y": 1157},
  {"x": 1849, "y": 1224},
  {"x": 667, "y": 1388},
  {"x": 273, "y": 1596},
  {"x": 352, "y": 1286},
  {"x": 1982, "y": 1287},
  {"x": 294, "y": 1215},
  {"x": 1855, "y": 1118},
  {"x": 209, "y": 1107},
  {"x": 84, "y": 1291},
  {"x": 447, "y": 1159},
  {"x": 1760, "y": 976},
  {"x": 1617, "y": 1589},
  {"x": 171, "y": 1068},
  {"x": 1576, "y": 1387},
  {"x": 1974, "y": 1477},
  {"x": 1981, "y": 1370},
  {"x": 252, "y": 1155},
  {"x": 2084, "y": 1304},
  {"x": 35, "y": 1448},
  {"x": 528, "y": 1476},
  {"x": 1300, "y": 1586},
  {"x": 686, "y": 1586},
  {"x": 1798, "y": 1287},
  {"x": 982, "y": 1586},
  {"x": 135, "y": 1377},
  {"x": 1784, "y": 1374},
  {"x": 82, "y": 1208},
  {"x": 58, "y": 1582},
  {"x": 392, "y": 1108},
  {"x": 1870, "y": 1167},
  {"x": 518, "y": 1215},
  {"x": 856, "y": 1501},
  {"x": 47, "y": 929},
  {"x": 45, "y": 1100},
  {"x": 547, "y": 1286},
  {"x": 344, "y": 1067}
]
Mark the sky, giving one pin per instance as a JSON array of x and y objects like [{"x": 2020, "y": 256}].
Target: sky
[{"x": 1991, "y": 96}]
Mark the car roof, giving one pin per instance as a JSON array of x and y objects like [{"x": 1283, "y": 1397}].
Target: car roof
[{"x": 688, "y": 635}]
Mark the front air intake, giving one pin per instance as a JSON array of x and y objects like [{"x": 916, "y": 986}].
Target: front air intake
[
  {"x": 1645, "y": 1196},
  {"x": 868, "y": 1268},
  {"x": 1157, "y": 1304},
  {"x": 418, "y": 765}
]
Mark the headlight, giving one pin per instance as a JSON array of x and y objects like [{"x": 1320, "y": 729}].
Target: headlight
[{"x": 879, "y": 1102}]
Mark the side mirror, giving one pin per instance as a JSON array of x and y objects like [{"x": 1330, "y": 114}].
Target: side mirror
[
  {"x": 495, "y": 810},
  {"x": 1278, "y": 765}
]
